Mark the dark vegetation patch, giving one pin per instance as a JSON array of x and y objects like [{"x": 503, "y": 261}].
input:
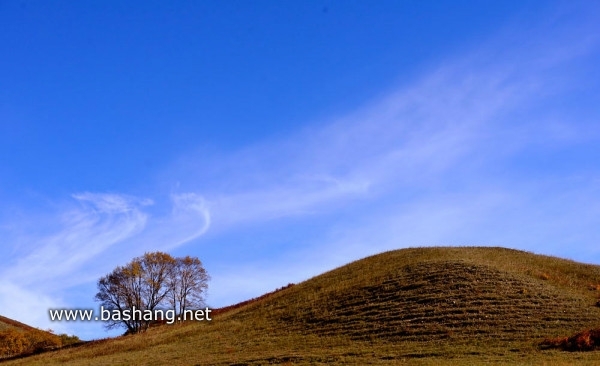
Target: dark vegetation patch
[
  {"x": 421, "y": 355},
  {"x": 588, "y": 340}
]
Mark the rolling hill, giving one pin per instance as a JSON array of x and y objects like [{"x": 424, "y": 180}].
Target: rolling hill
[{"x": 420, "y": 305}]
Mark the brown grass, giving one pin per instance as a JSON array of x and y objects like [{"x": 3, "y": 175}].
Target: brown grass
[{"x": 421, "y": 305}]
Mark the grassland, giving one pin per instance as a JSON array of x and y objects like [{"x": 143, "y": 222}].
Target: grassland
[{"x": 425, "y": 306}]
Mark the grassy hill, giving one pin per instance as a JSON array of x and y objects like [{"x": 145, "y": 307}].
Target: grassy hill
[{"x": 422, "y": 305}]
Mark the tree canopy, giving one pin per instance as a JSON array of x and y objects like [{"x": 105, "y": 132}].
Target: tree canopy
[{"x": 153, "y": 281}]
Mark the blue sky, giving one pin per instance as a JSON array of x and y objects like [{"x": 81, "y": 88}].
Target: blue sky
[{"x": 278, "y": 140}]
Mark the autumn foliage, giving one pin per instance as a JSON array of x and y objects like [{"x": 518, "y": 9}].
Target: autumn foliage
[
  {"x": 15, "y": 342},
  {"x": 588, "y": 340}
]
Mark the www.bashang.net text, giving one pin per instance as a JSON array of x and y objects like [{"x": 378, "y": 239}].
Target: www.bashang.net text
[{"x": 168, "y": 316}]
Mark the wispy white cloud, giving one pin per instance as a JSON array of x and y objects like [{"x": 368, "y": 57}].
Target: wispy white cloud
[
  {"x": 103, "y": 221},
  {"x": 190, "y": 218},
  {"x": 465, "y": 155},
  {"x": 111, "y": 203},
  {"x": 297, "y": 197},
  {"x": 473, "y": 110}
]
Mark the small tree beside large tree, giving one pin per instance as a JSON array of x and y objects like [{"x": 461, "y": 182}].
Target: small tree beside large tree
[
  {"x": 153, "y": 281},
  {"x": 187, "y": 284}
]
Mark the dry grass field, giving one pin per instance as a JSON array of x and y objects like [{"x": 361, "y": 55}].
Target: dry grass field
[{"x": 426, "y": 306}]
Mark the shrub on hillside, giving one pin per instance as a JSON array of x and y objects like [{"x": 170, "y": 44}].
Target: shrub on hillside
[
  {"x": 12, "y": 342},
  {"x": 15, "y": 342},
  {"x": 40, "y": 340},
  {"x": 68, "y": 340}
]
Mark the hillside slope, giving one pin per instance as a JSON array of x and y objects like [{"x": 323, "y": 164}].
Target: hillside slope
[
  {"x": 7, "y": 323},
  {"x": 427, "y": 305},
  {"x": 455, "y": 293}
]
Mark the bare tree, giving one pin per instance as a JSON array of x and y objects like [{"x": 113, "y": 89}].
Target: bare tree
[
  {"x": 151, "y": 282},
  {"x": 119, "y": 291},
  {"x": 187, "y": 284},
  {"x": 156, "y": 268}
]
